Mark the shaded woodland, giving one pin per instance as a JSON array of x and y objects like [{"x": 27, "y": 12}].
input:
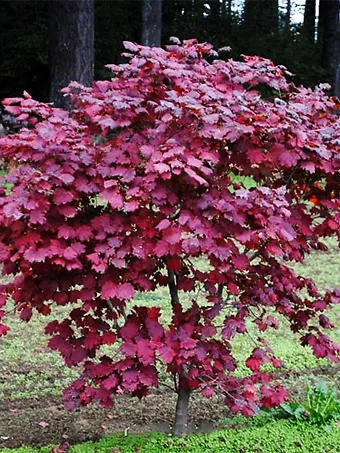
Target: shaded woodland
[{"x": 44, "y": 44}]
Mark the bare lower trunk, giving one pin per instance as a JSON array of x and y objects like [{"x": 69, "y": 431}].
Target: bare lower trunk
[
  {"x": 181, "y": 417},
  {"x": 183, "y": 392}
]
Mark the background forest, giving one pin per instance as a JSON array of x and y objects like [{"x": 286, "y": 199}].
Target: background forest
[{"x": 301, "y": 34}]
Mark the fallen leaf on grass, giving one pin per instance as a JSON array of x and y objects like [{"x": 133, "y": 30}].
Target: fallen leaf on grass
[
  {"x": 43, "y": 424},
  {"x": 63, "y": 448}
]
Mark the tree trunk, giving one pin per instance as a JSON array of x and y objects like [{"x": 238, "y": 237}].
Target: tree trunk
[
  {"x": 229, "y": 9},
  {"x": 183, "y": 392},
  {"x": 261, "y": 17},
  {"x": 287, "y": 16},
  {"x": 321, "y": 19},
  {"x": 214, "y": 26},
  {"x": 308, "y": 29},
  {"x": 330, "y": 36},
  {"x": 152, "y": 23},
  {"x": 71, "y": 45},
  {"x": 182, "y": 406},
  {"x": 226, "y": 14},
  {"x": 215, "y": 10}
]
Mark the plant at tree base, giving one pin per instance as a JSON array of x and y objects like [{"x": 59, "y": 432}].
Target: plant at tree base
[
  {"x": 321, "y": 406},
  {"x": 128, "y": 189}
]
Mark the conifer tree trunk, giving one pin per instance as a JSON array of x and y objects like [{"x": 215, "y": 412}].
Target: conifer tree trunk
[
  {"x": 330, "y": 37},
  {"x": 309, "y": 20},
  {"x": 214, "y": 26},
  {"x": 215, "y": 8},
  {"x": 287, "y": 16},
  {"x": 261, "y": 17},
  {"x": 152, "y": 23},
  {"x": 71, "y": 45},
  {"x": 321, "y": 19}
]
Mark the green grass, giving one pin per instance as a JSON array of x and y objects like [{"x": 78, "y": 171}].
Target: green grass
[
  {"x": 28, "y": 369},
  {"x": 274, "y": 437}
]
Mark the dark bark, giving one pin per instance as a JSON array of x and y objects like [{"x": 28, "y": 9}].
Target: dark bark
[
  {"x": 308, "y": 29},
  {"x": 172, "y": 284},
  {"x": 182, "y": 406},
  {"x": 226, "y": 15},
  {"x": 229, "y": 9},
  {"x": 261, "y": 17},
  {"x": 287, "y": 16},
  {"x": 215, "y": 10},
  {"x": 321, "y": 19},
  {"x": 152, "y": 23},
  {"x": 214, "y": 26},
  {"x": 71, "y": 45},
  {"x": 330, "y": 37},
  {"x": 183, "y": 392}
]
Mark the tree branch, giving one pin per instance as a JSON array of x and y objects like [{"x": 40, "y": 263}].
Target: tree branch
[{"x": 172, "y": 284}]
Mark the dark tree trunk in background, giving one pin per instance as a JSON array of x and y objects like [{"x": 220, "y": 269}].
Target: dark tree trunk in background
[
  {"x": 251, "y": 16},
  {"x": 215, "y": 23},
  {"x": 226, "y": 13},
  {"x": 321, "y": 19},
  {"x": 71, "y": 45},
  {"x": 261, "y": 17},
  {"x": 308, "y": 29},
  {"x": 215, "y": 8},
  {"x": 152, "y": 23},
  {"x": 287, "y": 16},
  {"x": 330, "y": 37},
  {"x": 229, "y": 7}
]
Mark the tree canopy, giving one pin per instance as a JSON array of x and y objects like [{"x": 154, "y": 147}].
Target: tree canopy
[{"x": 137, "y": 185}]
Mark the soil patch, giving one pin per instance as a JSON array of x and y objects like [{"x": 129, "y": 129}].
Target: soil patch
[{"x": 45, "y": 421}]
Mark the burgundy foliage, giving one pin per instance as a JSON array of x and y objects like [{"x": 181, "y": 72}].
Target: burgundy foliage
[{"x": 143, "y": 176}]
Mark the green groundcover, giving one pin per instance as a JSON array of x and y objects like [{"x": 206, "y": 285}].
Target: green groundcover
[{"x": 280, "y": 436}]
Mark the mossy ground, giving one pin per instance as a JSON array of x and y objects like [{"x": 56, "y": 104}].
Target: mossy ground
[{"x": 275, "y": 437}]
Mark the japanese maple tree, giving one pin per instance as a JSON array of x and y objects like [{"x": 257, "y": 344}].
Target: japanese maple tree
[{"x": 138, "y": 185}]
